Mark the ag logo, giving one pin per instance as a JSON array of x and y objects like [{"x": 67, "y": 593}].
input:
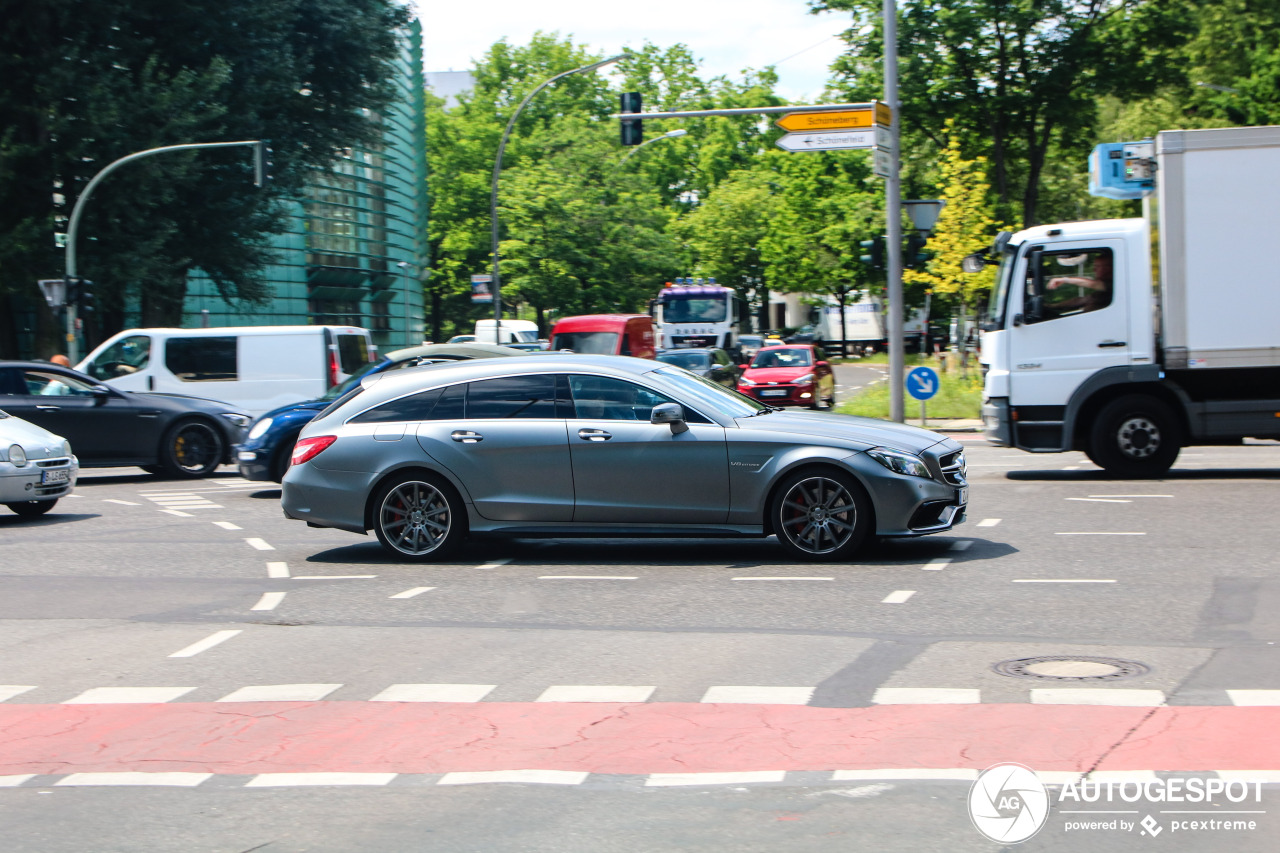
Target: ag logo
[{"x": 1008, "y": 803}]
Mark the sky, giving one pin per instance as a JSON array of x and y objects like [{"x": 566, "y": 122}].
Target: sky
[{"x": 726, "y": 35}]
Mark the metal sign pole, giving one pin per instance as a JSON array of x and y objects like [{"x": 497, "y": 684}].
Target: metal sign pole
[{"x": 893, "y": 215}]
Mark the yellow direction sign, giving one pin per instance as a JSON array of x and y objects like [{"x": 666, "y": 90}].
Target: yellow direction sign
[{"x": 840, "y": 119}]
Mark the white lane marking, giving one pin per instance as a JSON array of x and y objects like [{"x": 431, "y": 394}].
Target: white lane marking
[
  {"x": 168, "y": 780},
  {"x": 1130, "y": 496},
  {"x": 332, "y": 577},
  {"x": 904, "y": 774},
  {"x": 15, "y": 781},
  {"x": 1064, "y": 580},
  {"x": 1060, "y": 777},
  {"x": 537, "y": 777},
  {"x": 1240, "y": 697},
  {"x": 73, "y": 496},
  {"x": 1102, "y": 500},
  {"x": 1098, "y": 533},
  {"x": 989, "y": 522},
  {"x": 663, "y": 780},
  {"x": 296, "y": 780},
  {"x": 962, "y": 545},
  {"x": 281, "y": 693},
  {"x": 731, "y": 695},
  {"x": 595, "y": 693},
  {"x": 260, "y": 544},
  {"x": 926, "y": 696},
  {"x": 1123, "y": 776},
  {"x": 937, "y": 565},
  {"x": 434, "y": 693},
  {"x": 1120, "y": 696},
  {"x": 494, "y": 564},
  {"x": 205, "y": 644},
  {"x": 587, "y": 578},
  {"x": 783, "y": 578},
  {"x": 277, "y": 570},
  {"x": 178, "y": 512},
  {"x": 1269, "y": 776},
  {"x": 128, "y": 695},
  {"x": 122, "y": 503},
  {"x": 410, "y": 593},
  {"x": 898, "y": 597},
  {"x": 189, "y": 505},
  {"x": 226, "y": 525},
  {"x": 8, "y": 691},
  {"x": 269, "y": 601}
]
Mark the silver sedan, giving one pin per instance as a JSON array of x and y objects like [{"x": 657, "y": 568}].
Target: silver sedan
[
  {"x": 36, "y": 467},
  {"x": 604, "y": 446}
]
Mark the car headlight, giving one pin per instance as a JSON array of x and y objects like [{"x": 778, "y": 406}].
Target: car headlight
[
  {"x": 807, "y": 379},
  {"x": 900, "y": 463},
  {"x": 237, "y": 418},
  {"x": 66, "y": 448},
  {"x": 259, "y": 428},
  {"x": 17, "y": 455},
  {"x": 742, "y": 380}
]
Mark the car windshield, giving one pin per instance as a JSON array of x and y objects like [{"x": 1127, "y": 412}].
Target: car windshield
[
  {"x": 709, "y": 396},
  {"x": 352, "y": 381},
  {"x": 791, "y": 357},
  {"x": 594, "y": 343},
  {"x": 687, "y": 360},
  {"x": 750, "y": 340}
]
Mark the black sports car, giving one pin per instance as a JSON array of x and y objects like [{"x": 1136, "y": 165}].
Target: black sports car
[{"x": 162, "y": 433}]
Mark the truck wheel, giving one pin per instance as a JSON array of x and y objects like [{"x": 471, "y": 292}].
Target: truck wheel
[{"x": 1135, "y": 436}]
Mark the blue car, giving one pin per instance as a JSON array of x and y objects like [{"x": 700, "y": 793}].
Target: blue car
[{"x": 267, "y": 448}]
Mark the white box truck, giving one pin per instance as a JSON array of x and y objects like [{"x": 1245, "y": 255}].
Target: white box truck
[{"x": 1090, "y": 346}]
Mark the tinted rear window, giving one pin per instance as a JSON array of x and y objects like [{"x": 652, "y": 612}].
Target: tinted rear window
[
  {"x": 353, "y": 352},
  {"x": 202, "y": 359},
  {"x": 415, "y": 407}
]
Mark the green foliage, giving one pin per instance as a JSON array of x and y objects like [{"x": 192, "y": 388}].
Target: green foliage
[{"x": 959, "y": 396}]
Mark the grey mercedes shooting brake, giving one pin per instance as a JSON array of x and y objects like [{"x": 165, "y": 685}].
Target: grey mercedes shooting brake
[{"x": 606, "y": 446}]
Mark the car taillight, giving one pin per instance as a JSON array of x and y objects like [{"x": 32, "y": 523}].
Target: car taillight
[
  {"x": 333, "y": 369},
  {"x": 309, "y": 448}
]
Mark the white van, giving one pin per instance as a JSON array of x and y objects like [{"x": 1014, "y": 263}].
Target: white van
[
  {"x": 256, "y": 368},
  {"x": 513, "y": 331}
]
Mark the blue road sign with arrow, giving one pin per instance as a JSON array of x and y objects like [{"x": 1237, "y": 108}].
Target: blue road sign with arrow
[{"x": 922, "y": 382}]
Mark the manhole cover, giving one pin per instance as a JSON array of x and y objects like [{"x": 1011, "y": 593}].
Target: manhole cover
[{"x": 1074, "y": 668}]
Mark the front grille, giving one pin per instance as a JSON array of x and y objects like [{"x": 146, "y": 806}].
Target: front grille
[
  {"x": 953, "y": 468},
  {"x": 60, "y": 462},
  {"x": 50, "y": 491}
]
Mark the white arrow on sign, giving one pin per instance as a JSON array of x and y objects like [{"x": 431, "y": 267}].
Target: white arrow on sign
[
  {"x": 925, "y": 383},
  {"x": 835, "y": 140}
]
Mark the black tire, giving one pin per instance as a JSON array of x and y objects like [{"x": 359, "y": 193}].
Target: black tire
[
  {"x": 192, "y": 448},
  {"x": 821, "y": 515},
  {"x": 31, "y": 509},
  {"x": 283, "y": 455},
  {"x": 1135, "y": 437},
  {"x": 419, "y": 517}
]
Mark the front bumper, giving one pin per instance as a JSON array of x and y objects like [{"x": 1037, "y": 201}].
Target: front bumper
[
  {"x": 781, "y": 395},
  {"x": 995, "y": 421},
  {"x": 254, "y": 463},
  {"x": 26, "y": 483}
]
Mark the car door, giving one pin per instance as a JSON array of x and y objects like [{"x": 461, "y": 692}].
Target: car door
[
  {"x": 506, "y": 441},
  {"x": 102, "y": 427},
  {"x": 629, "y": 471}
]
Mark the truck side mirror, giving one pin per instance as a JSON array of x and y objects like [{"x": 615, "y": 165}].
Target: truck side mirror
[{"x": 973, "y": 263}]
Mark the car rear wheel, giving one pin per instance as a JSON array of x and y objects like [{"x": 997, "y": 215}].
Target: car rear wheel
[
  {"x": 192, "y": 449},
  {"x": 283, "y": 455},
  {"x": 821, "y": 515},
  {"x": 31, "y": 509},
  {"x": 418, "y": 517}
]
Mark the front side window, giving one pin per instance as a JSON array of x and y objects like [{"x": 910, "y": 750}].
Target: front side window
[
  {"x": 43, "y": 384},
  {"x": 513, "y": 397},
  {"x": 202, "y": 359},
  {"x": 1063, "y": 284},
  {"x": 127, "y": 355},
  {"x": 609, "y": 399}
]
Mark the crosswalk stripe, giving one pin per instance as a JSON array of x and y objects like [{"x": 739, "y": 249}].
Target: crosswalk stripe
[
  {"x": 540, "y": 777},
  {"x": 281, "y": 693},
  {"x": 294, "y": 780},
  {"x": 758, "y": 695},
  {"x": 904, "y": 774},
  {"x": 8, "y": 691},
  {"x": 1238, "y": 697},
  {"x": 128, "y": 695},
  {"x": 595, "y": 693},
  {"x": 926, "y": 696},
  {"x": 742, "y": 777},
  {"x": 134, "y": 778},
  {"x": 434, "y": 693},
  {"x": 1120, "y": 696}
]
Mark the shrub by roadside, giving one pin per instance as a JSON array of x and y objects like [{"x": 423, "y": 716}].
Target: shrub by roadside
[{"x": 957, "y": 397}]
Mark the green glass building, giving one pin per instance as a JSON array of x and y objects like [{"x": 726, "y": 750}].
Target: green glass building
[{"x": 355, "y": 248}]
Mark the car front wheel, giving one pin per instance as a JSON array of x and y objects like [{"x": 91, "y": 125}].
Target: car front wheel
[
  {"x": 821, "y": 515},
  {"x": 418, "y": 517},
  {"x": 31, "y": 509},
  {"x": 192, "y": 449}
]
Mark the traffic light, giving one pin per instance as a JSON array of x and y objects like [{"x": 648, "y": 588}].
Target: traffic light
[
  {"x": 87, "y": 298},
  {"x": 261, "y": 163},
  {"x": 873, "y": 252},
  {"x": 632, "y": 128},
  {"x": 913, "y": 254}
]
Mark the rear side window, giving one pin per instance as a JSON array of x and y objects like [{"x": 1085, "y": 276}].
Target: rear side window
[
  {"x": 415, "y": 407},
  {"x": 513, "y": 397},
  {"x": 353, "y": 352},
  {"x": 202, "y": 359}
]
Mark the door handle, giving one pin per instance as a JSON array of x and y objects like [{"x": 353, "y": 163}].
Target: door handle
[
  {"x": 466, "y": 436},
  {"x": 1113, "y": 344},
  {"x": 594, "y": 435},
  {"x": 49, "y": 408}
]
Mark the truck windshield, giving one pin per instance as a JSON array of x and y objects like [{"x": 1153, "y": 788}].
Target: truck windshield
[
  {"x": 996, "y": 311},
  {"x": 681, "y": 308}
]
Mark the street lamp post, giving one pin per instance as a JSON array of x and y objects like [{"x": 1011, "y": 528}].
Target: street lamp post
[
  {"x": 497, "y": 171},
  {"x": 670, "y": 134},
  {"x": 893, "y": 215}
]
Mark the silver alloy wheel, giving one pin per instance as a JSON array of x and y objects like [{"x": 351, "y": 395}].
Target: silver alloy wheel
[
  {"x": 819, "y": 515},
  {"x": 1138, "y": 437},
  {"x": 415, "y": 518}
]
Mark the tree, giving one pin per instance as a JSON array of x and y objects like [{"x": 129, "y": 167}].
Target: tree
[{"x": 966, "y": 225}]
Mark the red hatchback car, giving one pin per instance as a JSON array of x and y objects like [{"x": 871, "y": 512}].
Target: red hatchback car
[{"x": 789, "y": 375}]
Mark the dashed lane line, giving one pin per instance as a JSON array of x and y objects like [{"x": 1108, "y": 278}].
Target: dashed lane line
[
  {"x": 226, "y": 525},
  {"x": 908, "y": 774},
  {"x": 1064, "y": 580},
  {"x": 8, "y": 691},
  {"x": 131, "y": 778},
  {"x": 269, "y": 601},
  {"x": 128, "y": 695},
  {"x": 1098, "y": 533},
  {"x": 989, "y": 522},
  {"x": 926, "y": 696},
  {"x": 740, "y": 777},
  {"x": 937, "y": 564},
  {"x": 410, "y": 593},
  {"x": 962, "y": 545},
  {"x": 587, "y": 578},
  {"x": 536, "y": 777},
  {"x": 277, "y": 570},
  {"x": 595, "y": 693},
  {"x": 122, "y": 503},
  {"x": 281, "y": 693},
  {"x": 494, "y": 564},
  {"x": 1111, "y": 696},
  {"x": 178, "y": 513},
  {"x": 434, "y": 693},
  {"x": 1102, "y": 500},
  {"x": 758, "y": 695},
  {"x": 260, "y": 544},
  {"x": 899, "y": 597},
  {"x": 205, "y": 644},
  {"x": 333, "y": 577},
  {"x": 783, "y": 578},
  {"x": 294, "y": 780},
  {"x": 1130, "y": 496}
]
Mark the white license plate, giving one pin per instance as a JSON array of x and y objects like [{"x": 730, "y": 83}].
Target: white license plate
[
  {"x": 47, "y": 477},
  {"x": 962, "y": 496},
  {"x": 777, "y": 392}
]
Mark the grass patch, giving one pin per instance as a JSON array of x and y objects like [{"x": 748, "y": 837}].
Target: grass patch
[{"x": 957, "y": 397}]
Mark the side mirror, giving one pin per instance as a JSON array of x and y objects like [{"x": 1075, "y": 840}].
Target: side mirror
[
  {"x": 744, "y": 366},
  {"x": 823, "y": 364},
  {"x": 669, "y": 413},
  {"x": 973, "y": 263},
  {"x": 100, "y": 395}
]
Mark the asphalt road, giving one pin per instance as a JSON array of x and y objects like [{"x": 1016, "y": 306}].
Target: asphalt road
[{"x": 271, "y": 650}]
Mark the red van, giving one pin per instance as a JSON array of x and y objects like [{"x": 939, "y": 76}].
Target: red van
[{"x": 606, "y": 334}]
